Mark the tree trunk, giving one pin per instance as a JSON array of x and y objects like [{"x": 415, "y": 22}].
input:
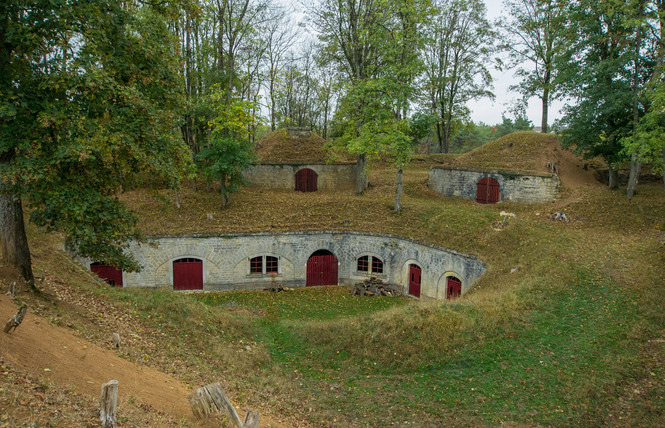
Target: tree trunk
[
  {"x": 663, "y": 167},
  {"x": 543, "y": 122},
  {"x": 222, "y": 191},
  {"x": 361, "y": 174},
  {"x": 635, "y": 164},
  {"x": 398, "y": 191},
  {"x": 635, "y": 167},
  {"x": 613, "y": 181},
  {"x": 15, "y": 250}
]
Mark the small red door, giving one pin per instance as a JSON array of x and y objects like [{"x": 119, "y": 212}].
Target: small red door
[
  {"x": 415, "y": 274},
  {"x": 453, "y": 288},
  {"x": 108, "y": 273},
  {"x": 306, "y": 180},
  {"x": 487, "y": 191},
  {"x": 322, "y": 269},
  {"x": 188, "y": 274}
]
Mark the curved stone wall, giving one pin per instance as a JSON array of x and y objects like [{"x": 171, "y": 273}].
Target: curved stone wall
[
  {"x": 226, "y": 260},
  {"x": 461, "y": 183}
]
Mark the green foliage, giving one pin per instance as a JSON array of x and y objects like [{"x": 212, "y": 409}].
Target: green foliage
[
  {"x": 229, "y": 150},
  {"x": 508, "y": 126},
  {"x": 601, "y": 77},
  {"x": 471, "y": 136},
  {"x": 457, "y": 54},
  {"x": 89, "y": 97}
]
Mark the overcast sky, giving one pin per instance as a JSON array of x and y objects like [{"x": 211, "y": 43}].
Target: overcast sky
[{"x": 486, "y": 110}]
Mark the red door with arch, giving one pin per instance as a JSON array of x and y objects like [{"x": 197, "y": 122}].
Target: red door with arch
[
  {"x": 487, "y": 191},
  {"x": 415, "y": 275},
  {"x": 188, "y": 274},
  {"x": 108, "y": 273},
  {"x": 306, "y": 180},
  {"x": 322, "y": 269},
  {"x": 453, "y": 287}
]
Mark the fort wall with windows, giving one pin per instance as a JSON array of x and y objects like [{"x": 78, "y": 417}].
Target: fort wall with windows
[{"x": 299, "y": 259}]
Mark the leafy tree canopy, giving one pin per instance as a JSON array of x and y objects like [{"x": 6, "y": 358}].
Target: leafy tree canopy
[{"x": 88, "y": 98}]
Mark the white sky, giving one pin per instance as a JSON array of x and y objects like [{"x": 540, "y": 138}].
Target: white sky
[
  {"x": 488, "y": 111},
  {"x": 485, "y": 110}
]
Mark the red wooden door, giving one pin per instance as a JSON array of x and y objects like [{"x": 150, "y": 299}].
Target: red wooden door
[
  {"x": 415, "y": 274},
  {"x": 108, "y": 273},
  {"x": 453, "y": 288},
  {"x": 487, "y": 191},
  {"x": 322, "y": 270},
  {"x": 188, "y": 274},
  {"x": 306, "y": 180}
]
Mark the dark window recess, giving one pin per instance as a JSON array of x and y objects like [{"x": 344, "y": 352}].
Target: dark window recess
[
  {"x": 272, "y": 265},
  {"x": 363, "y": 265},
  {"x": 256, "y": 265},
  {"x": 487, "y": 191},
  {"x": 306, "y": 180},
  {"x": 377, "y": 265}
]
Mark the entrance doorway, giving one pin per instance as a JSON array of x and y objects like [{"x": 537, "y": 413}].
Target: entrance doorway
[
  {"x": 453, "y": 287},
  {"x": 188, "y": 274},
  {"x": 306, "y": 180},
  {"x": 415, "y": 275},
  {"x": 322, "y": 268},
  {"x": 487, "y": 191}
]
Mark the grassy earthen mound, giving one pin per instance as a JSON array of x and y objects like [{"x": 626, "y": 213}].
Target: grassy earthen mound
[{"x": 279, "y": 147}]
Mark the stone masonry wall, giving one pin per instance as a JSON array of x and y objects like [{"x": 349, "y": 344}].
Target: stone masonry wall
[
  {"x": 282, "y": 176},
  {"x": 226, "y": 260},
  {"x": 461, "y": 183}
]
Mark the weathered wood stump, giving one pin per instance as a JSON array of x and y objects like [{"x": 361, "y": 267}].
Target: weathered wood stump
[
  {"x": 108, "y": 404},
  {"x": 211, "y": 399}
]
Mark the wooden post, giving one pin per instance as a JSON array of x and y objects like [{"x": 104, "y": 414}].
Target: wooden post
[
  {"x": 251, "y": 419},
  {"x": 212, "y": 399},
  {"x": 108, "y": 405}
]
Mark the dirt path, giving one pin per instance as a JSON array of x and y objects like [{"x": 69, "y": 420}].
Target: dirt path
[{"x": 55, "y": 354}]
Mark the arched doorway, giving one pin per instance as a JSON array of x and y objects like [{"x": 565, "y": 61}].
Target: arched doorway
[
  {"x": 108, "y": 273},
  {"x": 322, "y": 268},
  {"x": 453, "y": 287},
  {"x": 487, "y": 191},
  {"x": 188, "y": 274},
  {"x": 415, "y": 277},
  {"x": 306, "y": 180}
]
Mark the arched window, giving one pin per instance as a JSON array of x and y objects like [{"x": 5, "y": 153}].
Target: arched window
[
  {"x": 262, "y": 265},
  {"x": 369, "y": 264}
]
